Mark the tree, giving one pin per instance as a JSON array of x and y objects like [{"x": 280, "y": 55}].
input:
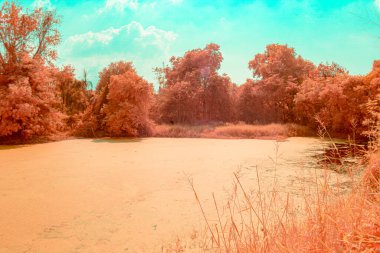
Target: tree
[
  {"x": 29, "y": 105},
  {"x": 278, "y": 73},
  {"x": 328, "y": 70},
  {"x": 192, "y": 90},
  {"x": 26, "y": 33},
  {"x": 250, "y": 103},
  {"x": 127, "y": 110},
  {"x": 121, "y": 104},
  {"x": 178, "y": 104},
  {"x": 337, "y": 100},
  {"x": 372, "y": 107},
  {"x": 282, "y": 61},
  {"x": 73, "y": 94}
]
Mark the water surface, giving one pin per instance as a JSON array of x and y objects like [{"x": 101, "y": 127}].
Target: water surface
[{"x": 131, "y": 195}]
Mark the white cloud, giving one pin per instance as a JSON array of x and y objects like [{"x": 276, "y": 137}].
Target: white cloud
[
  {"x": 176, "y": 1},
  {"x": 150, "y": 5},
  {"x": 147, "y": 47},
  {"x": 89, "y": 38},
  {"x": 42, "y": 4},
  {"x": 377, "y": 3},
  {"x": 119, "y": 5},
  {"x": 134, "y": 31}
]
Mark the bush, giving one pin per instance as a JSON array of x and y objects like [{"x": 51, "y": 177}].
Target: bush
[
  {"x": 29, "y": 106},
  {"x": 121, "y": 104}
]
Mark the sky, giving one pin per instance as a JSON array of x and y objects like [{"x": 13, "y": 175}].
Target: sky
[{"x": 148, "y": 32}]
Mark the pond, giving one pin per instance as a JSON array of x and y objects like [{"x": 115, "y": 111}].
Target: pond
[{"x": 133, "y": 195}]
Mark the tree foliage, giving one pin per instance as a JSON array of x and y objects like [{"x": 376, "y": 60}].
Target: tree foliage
[
  {"x": 121, "y": 104},
  {"x": 192, "y": 90},
  {"x": 23, "y": 33},
  {"x": 336, "y": 100},
  {"x": 73, "y": 95},
  {"x": 40, "y": 99},
  {"x": 280, "y": 61},
  {"x": 28, "y": 98},
  {"x": 278, "y": 73}
]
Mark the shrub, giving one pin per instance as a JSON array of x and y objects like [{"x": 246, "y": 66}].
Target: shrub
[{"x": 120, "y": 106}]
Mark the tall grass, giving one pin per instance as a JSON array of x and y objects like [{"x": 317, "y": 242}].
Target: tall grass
[
  {"x": 181, "y": 131},
  {"x": 241, "y": 130},
  {"x": 322, "y": 220}
]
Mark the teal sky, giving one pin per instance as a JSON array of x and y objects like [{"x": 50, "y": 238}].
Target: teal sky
[{"x": 149, "y": 32}]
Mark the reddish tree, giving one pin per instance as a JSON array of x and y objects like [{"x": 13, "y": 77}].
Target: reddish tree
[
  {"x": 372, "y": 107},
  {"x": 278, "y": 73},
  {"x": 73, "y": 93},
  {"x": 282, "y": 61},
  {"x": 28, "y": 104},
  {"x": 28, "y": 101},
  {"x": 26, "y": 33},
  {"x": 121, "y": 104},
  {"x": 249, "y": 106},
  {"x": 328, "y": 70},
  {"x": 192, "y": 90},
  {"x": 336, "y": 100},
  {"x": 127, "y": 110},
  {"x": 178, "y": 104}
]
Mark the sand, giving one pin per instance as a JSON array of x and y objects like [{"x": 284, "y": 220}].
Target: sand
[{"x": 88, "y": 195}]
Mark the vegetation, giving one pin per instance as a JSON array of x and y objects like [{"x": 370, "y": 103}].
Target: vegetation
[
  {"x": 329, "y": 220},
  {"x": 192, "y": 91},
  {"x": 29, "y": 105},
  {"x": 120, "y": 105},
  {"x": 286, "y": 96},
  {"x": 37, "y": 99},
  {"x": 239, "y": 130}
]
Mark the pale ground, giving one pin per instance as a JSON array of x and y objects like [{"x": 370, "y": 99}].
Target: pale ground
[{"x": 129, "y": 195}]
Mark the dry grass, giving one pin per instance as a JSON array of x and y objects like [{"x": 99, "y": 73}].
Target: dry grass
[
  {"x": 328, "y": 221},
  {"x": 180, "y": 131},
  {"x": 271, "y": 131},
  {"x": 277, "y": 131}
]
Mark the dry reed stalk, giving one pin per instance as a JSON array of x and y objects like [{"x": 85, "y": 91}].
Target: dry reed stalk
[{"x": 333, "y": 221}]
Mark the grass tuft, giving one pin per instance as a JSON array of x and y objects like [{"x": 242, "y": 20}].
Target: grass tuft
[
  {"x": 324, "y": 220},
  {"x": 226, "y": 131}
]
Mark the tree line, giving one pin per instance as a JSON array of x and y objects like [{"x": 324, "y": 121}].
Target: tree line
[{"x": 37, "y": 98}]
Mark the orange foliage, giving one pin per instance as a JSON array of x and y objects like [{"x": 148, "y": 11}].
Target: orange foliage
[
  {"x": 28, "y": 104},
  {"x": 281, "y": 61},
  {"x": 270, "y": 98},
  {"x": 192, "y": 91},
  {"x": 28, "y": 101},
  {"x": 73, "y": 93},
  {"x": 26, "y": 33},
  {"x": 120, "y": 106},
  {"x": 35, "y": 96},
  {"x": 336, "y": 100},
  {"x": 128, "y": 105}
]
